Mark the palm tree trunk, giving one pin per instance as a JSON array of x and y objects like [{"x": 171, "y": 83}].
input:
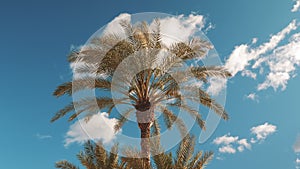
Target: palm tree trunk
[
  {"x": 145, "y": 144},
  {"x": 145, "y": 120}
]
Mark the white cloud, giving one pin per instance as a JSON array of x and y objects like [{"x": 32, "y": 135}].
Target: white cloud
[
  {"x": 263, "y": 131},
  {"x": 238, "y": 59},
  {"x": 244, "y": 143},
  {"x": 41, "y": 136},
  {"x": 282, "y": 64},
  {"x": 242, "y": 55},
  {"x": 253, "y": 140},
  {"x": 231, "y": 144},
  {"x": 227, "y": 149},
  {"x": 99, "y": 127},
  {"x": 219, "y": 158},
  {"x": 296, "y": 6},
  {"x": 228, "y": 144},
  {"x": 226, "y": 139},
  {"x": 173, "y": 27},
  {"x": 254, "y": 40},
  {"x": 249, "y": 73},
  {"x": 180, "y": 28},
  {"x": 216, "y": 85},
  {"x": 296, "y": 146},
  {"x": 209, "y": 27},
  {"x": 281, "y": 61},
  {"x": 114, "y": 26},
  {"x": 297, "y": 163},
  {"x": 241, "y": 148},
  {"x": 252, "y": 96}
]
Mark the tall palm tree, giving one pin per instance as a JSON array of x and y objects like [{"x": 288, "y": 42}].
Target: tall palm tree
[
  {"x": 156, "y": 85},
  {"x": 94, "y": 156}
]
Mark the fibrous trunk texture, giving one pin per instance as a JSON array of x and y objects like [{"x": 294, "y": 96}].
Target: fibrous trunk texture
[{"x": 145, "y": 120}]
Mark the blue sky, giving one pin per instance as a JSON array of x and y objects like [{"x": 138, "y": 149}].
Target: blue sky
[{"x": 36, "y": 36}]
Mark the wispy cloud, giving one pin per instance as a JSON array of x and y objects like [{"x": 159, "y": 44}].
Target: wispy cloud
[
  {"x": 297, "y": 163},
  {"x": 99, "y": 127},
  {"x": 296, "y": 6},
  {"x": 252, "y": 96},
  {"x": 296, "y": 146},
  {"x": 232, "y": 144},
  {"x": 42, "y": 137},
  {"x": 275, "y": 62},
  {"x": 241, "y": 56}
]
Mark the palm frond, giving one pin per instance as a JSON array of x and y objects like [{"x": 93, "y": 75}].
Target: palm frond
[
  {"x": 132, "y": 158},
  {"x": 114, "y": 57},
  {"x": 185, "y": 151},
  {"x": 113, "y": 158},
  {"x": 100, "y": 155},
  {"x": 65, "y": 165},
  {"x": 204, "y": 160},
  {"x": 194, "y": 160},
  {"x": 203, "y": 73},
  {"x": 163, "y": 161},
  {"x": 63, "y": 112},
  {"x": 156, "y": 35},
  {"x": 91, "y": 105},
  {"x": 200, "y": 47},
  {"x": 86, "y": 160},
  {"x": 171, "y": 118},
  {"x": 195, "y": 114},
  {"x": 80, "y": 84},
  {"x": 207, "y": 101}
]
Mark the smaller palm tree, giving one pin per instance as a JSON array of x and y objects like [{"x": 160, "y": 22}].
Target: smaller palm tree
[
  {"x": 94, "y": 156},
  {"x": 185, "y": 157}
]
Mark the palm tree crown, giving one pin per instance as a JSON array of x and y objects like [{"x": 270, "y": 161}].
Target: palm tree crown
[{"x": 152, "y": 79}]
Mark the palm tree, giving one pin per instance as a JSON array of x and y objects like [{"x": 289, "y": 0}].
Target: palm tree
[
  {"x": 155, "y": 85},
  {"x": 94, "y": 156},
  {"x": 185, "y": 157}
]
